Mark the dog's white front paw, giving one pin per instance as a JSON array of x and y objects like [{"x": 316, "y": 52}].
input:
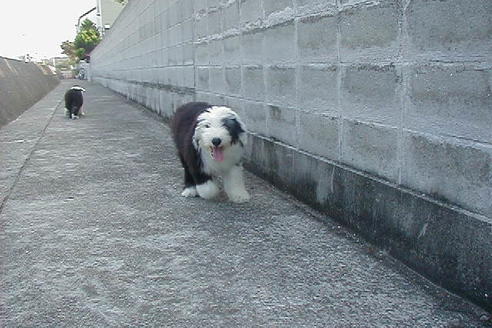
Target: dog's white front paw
[
  {"x": 189, "y": 192},
  {"x": 239, "y": 196},
  {"x": 207, "y": 190}
]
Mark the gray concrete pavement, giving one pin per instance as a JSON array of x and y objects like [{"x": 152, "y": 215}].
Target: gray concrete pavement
[{"x": 94, "y": 233}]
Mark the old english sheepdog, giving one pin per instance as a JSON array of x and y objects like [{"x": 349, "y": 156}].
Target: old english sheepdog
[
  {"x": 210, "y": 141},
  {"x": 74, "y": 101}
]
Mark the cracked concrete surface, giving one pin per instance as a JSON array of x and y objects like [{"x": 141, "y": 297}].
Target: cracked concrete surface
[{"x": 94, "y": 233}]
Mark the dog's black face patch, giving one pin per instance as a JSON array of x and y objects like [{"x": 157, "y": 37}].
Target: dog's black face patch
[{"x": 234, "y": 128}]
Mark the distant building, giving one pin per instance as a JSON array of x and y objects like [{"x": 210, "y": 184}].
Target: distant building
[
  {"x": 59, "y": 61},
  {"x": 107, "y": 12}
]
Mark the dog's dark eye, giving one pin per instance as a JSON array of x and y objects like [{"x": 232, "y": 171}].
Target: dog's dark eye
[{"x": 206, "y": 126}]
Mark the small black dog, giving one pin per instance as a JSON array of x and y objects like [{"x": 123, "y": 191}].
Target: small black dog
[{"x": 74, "y": 101}]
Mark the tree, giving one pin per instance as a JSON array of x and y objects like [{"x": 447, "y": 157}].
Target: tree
[
  {"x": 68, "y": 49},
  {"x": 86, "y": 40}
]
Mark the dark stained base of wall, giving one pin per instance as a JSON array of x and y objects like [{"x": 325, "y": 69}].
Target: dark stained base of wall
[
  {"x": 450, "y": 246},
  {"x": 446, "y": 244},
  {"x": 21, "y": 86}
]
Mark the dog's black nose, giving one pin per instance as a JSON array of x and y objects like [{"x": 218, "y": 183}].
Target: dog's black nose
[{"x": 216, "y": 141}]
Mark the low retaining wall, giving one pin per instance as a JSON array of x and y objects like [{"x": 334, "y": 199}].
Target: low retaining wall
[
  {"x": 21, "y": 86},
  {"x": 375, "y": 112}
]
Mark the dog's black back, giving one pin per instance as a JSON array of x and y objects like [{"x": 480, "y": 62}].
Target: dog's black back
[
  {"x": 182, "y": 123},
  {"x": 73, "y": 101},
  {"x": 183, "y": 128}
]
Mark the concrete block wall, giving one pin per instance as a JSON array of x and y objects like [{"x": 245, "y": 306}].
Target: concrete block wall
[
  {"x": 378, "y": 113},
  {"x": 21, "y": 86}
]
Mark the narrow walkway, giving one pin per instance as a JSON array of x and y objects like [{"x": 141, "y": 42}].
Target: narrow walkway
[{"x": 94, "y": 233}]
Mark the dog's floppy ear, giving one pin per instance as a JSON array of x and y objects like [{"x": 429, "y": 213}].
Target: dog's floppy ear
[
  {"x": 194, "y": 140},
  {"x": 242, "y": 136},
  {"x": 236, "y": 128}
]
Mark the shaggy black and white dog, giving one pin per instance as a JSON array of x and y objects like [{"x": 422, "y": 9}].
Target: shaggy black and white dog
[
  {"x": 210, "y": 141},
  {"x": 74, "y": 101}
]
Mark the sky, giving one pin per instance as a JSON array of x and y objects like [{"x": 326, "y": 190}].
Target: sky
[{"x": 38, "y": 27}]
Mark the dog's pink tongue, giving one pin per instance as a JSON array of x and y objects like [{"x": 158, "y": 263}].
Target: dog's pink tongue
[{"x": 218, "y": 154}]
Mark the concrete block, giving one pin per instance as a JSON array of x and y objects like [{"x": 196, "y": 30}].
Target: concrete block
[
  {"x": 236, "y": 104},
  {"x": 174, "y": 15},
  {"x": 250, "y": 11},
  {"x": 317, "y": 39},
  {"x": 270, "y": 7},
  {"x": 456, "y": 172},
  {"x": 175, "y": 55},
  {"x": 233, "y": 80},
  {"x": 256, "y": 157},
  {"x": 370, "y": 33},
  {"x": 271, "y": 161},
  {"x": 282, "y": 164},
  {"x": 156, "y": 42},
  {"x": 313, "y": 181},
  {"x": 281, "y": 124},
  {"x": 155, "y": 74},
  {"x": 164, "y": 20},
  {"x": 371, "y": 93},
  {"x": 157, "y": 21},
  {"x": 179, "y": 11},
  {"x": 186, "y": 31},
  {"x": 215, "y": 52},
  {"x": 305, "y": 7},
  {"x": 252, "y": 47},
  {"x": 354, "y": 3},
  {"x": 450, "y": 27},
  {"x": 188, "y": 54},
  {"x": 215, "y": 22},
  {"x": 217, "y": 99},
  {"x": 213, "y": 4},
  {"x": 253, "y": 85},
  {"x": 318, "y": 89},
  {"x": 254, "y": 116},
  {"x": 165, "y": 108},
  {"x": 217, "y": 81},
  {"x": 371, "y": 148},
  {"x": 203, "y": 96},
  {"x": 232, "y": 50},
  {"x": 159, "y": 58},
  {"x": 201, "y": 53},
  {"x": 453, "y": 100},
  {"x": 173, "y": 77},
  {"x": 201, "y": 27},
  {"x": 165, "y": 57},
  {"x": 318, "y": 134},
  {"x": 145, "y": 75},
  {"x": 230, "y": 18},
  {"x": 181, "y": 99},
  {"x": 168, "y": 74},
  {"x": 174, "y": 34},
  {"x": 280, "y": 45},
  {"x": 281, "y": 85},
  {"x": 202, "y": 78},
  {"x": 154, "y": 59},
  {"x": 187, "y": 9},
  {"x": 188, "y": 73},
  {"x": 199, "y": 7}
]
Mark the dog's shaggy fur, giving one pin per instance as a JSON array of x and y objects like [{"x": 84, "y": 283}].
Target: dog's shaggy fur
[
  {"x": 210, "y": 141},
  {"x": 74, "y": 101}
]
